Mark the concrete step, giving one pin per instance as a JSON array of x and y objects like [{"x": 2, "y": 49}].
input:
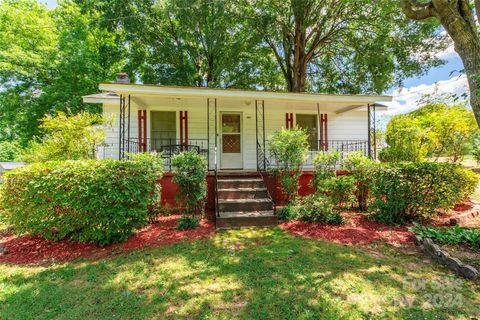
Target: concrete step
[
  {"x": 238, "y": 174},
  {"x": 229, "y": 220},
  {"x": 243, "y": 193},
  {"x": 229, "y": 183},
  {"x": 244, "y": 205}
]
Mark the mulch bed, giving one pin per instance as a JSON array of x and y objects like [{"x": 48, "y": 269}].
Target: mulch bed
[
  {"x": 357, "y": 230},
  {"x": 34, "y": 250}
]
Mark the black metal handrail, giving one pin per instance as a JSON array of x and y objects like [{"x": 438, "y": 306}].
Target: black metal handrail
[
  {"x": 315, "y": 146},
  {"x": 262, "y": 166},
  {"x": 167, "y": 147}
]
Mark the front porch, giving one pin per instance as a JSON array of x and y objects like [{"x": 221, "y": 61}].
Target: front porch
[{"x": 231, "y": 129}]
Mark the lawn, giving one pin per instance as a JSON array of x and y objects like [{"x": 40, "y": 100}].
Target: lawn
[{"x": 246, "y": 274}]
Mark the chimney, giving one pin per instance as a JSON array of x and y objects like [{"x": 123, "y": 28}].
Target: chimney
[{"x": 122, "y": 77}]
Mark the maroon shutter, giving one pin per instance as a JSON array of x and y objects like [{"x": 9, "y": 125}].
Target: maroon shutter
[
  {"x": 184, "y": 127},
  {"x": 324, "y": 132},
  {"x": 288, "y": 120},
  {"x": 142, "y": 130}
]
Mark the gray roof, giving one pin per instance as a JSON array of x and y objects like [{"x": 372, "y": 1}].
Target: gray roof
[{"x": 11, "y": 165}]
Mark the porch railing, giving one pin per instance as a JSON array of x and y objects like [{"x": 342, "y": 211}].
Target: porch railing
[
  {"x": 315, "y": 146},
  {"x": 168, "y": 147}
]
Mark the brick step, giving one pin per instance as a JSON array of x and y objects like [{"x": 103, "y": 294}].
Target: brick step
[
  {"x": 233, "y": 174},
  {"x": 240, "y": 183},
  {"x": 243, "y": 193},
  {"x": 229, "y": 220},
  {"x": 244, "y": 205}
]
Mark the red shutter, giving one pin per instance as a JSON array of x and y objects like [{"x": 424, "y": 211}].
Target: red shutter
[
  {"x": 142, "y": 130},
  {"x": 324, "y": 132},
  {"x": 288, "y": 120},
  {"x": 184, "y": 127}
]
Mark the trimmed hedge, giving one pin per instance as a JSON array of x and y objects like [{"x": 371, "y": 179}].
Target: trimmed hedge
[
  {"x": 100, "y": 201},
  {"x": 414, "y": 191}
]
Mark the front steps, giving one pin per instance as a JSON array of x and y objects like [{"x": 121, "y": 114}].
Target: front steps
[{"x": 243, "y": 201}]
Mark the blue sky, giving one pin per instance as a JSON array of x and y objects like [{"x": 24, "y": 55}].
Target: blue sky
[{"x": 444, "y": 80}]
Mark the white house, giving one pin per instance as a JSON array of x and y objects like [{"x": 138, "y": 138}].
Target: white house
[{"x": 230, "y": 127}]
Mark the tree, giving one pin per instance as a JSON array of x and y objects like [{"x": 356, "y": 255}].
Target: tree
[
  {"x": 349, "y": 46},
  {"x": 199, "y": 43},
  {"x": 49, "y": 59},
  {"x": 68, "y": 137},
  {"x": 458, "y": 19},
  {"x": 406, "y": 140},
  {"x": 450, "y": 129},
  {"x": 435, "y": 130}
]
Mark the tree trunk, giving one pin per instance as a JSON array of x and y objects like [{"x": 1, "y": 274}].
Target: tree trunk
[
  {"x": 458, "y": 20},
  {"x": 467, "y": 45}
]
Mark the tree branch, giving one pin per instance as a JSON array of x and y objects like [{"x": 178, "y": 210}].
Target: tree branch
[
  {"x": 477, "y": 10},
  {"x": 416, "y": 10}
]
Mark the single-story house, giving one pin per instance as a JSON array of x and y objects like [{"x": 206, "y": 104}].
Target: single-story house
[{"x": 231, "y": 127}]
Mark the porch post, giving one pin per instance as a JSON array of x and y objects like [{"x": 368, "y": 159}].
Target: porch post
[
  {"x": 120, "y": 129},
  {"x": 369, "y": 148},
  {"x": 264, "y": 143},
  {"x": 374, "y": 131}
]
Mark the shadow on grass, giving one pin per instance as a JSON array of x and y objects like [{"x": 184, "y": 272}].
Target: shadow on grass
[{"x": 249, "y": 274}]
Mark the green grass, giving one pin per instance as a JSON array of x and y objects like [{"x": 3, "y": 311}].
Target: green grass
[{"x": 246, "y": 274}]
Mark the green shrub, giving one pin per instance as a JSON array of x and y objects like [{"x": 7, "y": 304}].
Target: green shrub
[
  {"x": 190, "y": 170},
  {"x": 100, "y": 201},
  {"x": 290, "y": 149},
  {"x": 286, "y": 213},
  {"x": 187, "y": 222},
  {"x": 406, "y": 140},
  {"x": 414, "y": 191},
  {"x": 317, "y": 208},
  {"x": 325, "y": 167},
  {"x": 341, "y": 190},
  {"x": 9, "y": 151},
  {"x": 449, "y": 235},
  {"x": 362, "y": 168},
  {"x": 68, "y": 137}
]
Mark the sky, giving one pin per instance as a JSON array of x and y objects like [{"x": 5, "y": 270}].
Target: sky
[{"x": 443, "y": 80}]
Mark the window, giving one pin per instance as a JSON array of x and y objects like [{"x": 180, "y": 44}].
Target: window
[
  {"x": 163, "y": 129},
  {"x": 309, "y": 123}
]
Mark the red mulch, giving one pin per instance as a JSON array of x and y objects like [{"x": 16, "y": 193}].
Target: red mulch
[
  {"x": 33, "y": 250},
  {"x": 357, "y": 230},
  {"x": 464, "y": 206}
]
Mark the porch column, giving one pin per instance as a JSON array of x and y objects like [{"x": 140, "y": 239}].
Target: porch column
[
  {"x": 124, "y": 127},
  {"x": 369, "y": 147}
]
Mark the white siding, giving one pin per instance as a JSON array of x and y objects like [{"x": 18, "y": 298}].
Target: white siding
[{"x": 351, "y": 125}]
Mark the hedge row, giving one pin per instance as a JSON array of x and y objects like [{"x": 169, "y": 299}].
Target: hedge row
[
  {"x": 414, "y": 191},
  {"x": 100, "y": 201}
]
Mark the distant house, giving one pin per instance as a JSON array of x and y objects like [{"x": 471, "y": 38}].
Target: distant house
[
  {"x": 6, "y": 166},
  {"x": 231, "y": 128}
]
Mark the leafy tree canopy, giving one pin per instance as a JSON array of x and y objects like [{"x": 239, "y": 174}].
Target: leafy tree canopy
[
  {"x": 434, "y": 130},
  {"x": 68, "y": 138},
  {"x": 49, "y": 59}
]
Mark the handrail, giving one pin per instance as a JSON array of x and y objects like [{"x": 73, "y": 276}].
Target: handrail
[
  {"x": 263, "y": 170},
  {"x": 217, "y": 211}
]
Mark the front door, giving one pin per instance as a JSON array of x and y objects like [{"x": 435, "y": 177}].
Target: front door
[{"x": 231, "y": 153}]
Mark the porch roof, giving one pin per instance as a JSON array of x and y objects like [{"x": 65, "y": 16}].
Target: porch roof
[{"x": 112, "y": 90}]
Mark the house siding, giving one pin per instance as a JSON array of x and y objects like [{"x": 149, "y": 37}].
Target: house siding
[{"x": 351, "y": 125}]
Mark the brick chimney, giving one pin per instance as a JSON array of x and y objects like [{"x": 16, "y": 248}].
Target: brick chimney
[{"x": 122, "y": 77}]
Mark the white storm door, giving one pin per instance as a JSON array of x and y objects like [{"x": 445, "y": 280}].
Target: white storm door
[{"x": 231, "y": 151}]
